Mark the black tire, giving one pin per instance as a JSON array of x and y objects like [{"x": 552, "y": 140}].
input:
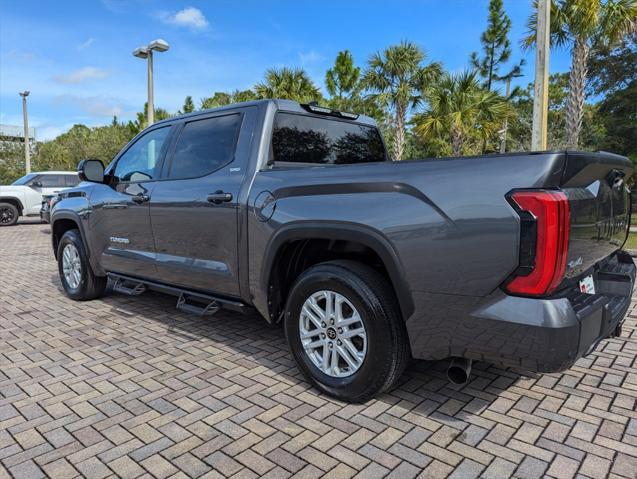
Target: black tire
[
  {"x": 90, "y": 285},
  {"x": 388, "y": 350},
  {"x": 9, "y": 214}
]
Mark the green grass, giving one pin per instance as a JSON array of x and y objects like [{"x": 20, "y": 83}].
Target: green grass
[{"x": 631, "y": 243}]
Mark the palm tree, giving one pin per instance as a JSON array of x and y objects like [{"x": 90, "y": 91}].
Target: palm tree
[
  {"x": 459, "y": 108},
  {"x": 580, "y": 24},
  {"x": 288, "y": 83},
  {"x": 396, "y": 78}
]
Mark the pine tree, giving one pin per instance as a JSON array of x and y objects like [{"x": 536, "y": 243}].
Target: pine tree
[
  {"x": 342, "y": 79},
  {"x": 495, "y": 44},
  {"x": 189, "y": 106}
]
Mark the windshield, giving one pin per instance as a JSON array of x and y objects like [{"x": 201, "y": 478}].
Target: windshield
[{"x": 24, "y": 180}]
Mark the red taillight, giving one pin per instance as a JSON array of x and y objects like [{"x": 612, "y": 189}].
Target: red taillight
[{"x": 551, "y": 212}]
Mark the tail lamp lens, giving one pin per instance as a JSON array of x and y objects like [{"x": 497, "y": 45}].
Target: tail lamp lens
[{"x": 550, "y": 209}]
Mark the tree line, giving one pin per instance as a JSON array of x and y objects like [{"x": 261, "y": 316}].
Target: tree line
[{"x": 424, "y": 110}]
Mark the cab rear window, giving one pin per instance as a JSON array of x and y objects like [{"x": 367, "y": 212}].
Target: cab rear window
[{"x": 309, "y": 140}]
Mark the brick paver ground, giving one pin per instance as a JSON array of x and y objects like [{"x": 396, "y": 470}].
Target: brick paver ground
[{"x": 130, "y": 387}]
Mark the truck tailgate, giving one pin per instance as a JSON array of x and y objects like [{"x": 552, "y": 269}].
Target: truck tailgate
[{"x": 599, "y": 200}]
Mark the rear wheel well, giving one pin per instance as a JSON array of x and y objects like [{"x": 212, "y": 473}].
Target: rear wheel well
[
  {"x": 295, "y": 257},
  {"x": 60, "y": 227},
  {"x": 13, "y": 201}
]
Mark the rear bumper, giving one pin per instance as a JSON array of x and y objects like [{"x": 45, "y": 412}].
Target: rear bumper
[{"x": 543, "y": 335}]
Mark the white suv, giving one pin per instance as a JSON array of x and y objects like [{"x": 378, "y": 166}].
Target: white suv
[{"x": 24, "y": 196}]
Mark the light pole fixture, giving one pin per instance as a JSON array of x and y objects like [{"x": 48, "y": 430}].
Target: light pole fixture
[
  {"x": 27, "y": 150},
  {"x": 146, "y": 52}
]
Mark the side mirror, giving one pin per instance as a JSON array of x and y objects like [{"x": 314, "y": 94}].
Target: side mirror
[
  {"x": 36, "y": 184},
  {"x": 91, "y": 170}
]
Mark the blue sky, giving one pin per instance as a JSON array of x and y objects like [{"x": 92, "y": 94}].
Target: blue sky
[{"x": 75, "y": 56}]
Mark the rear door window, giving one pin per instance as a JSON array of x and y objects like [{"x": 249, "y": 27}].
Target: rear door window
[
  {"x": 304, "y": 139},
  {"x": 51, "y": 181},
  {"x": 205, "y": 146},
  {"x": 71, "y": 180}
]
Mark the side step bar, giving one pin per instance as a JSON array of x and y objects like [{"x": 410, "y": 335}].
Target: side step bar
[
  {"x": 189, "y": 301},
  {"x": 130, "y": 288},
  {"x": 202, "y": 310}
]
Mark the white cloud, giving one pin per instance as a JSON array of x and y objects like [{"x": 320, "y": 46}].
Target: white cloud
[
  {"x": 116, "y": 6},
  {"x": 188, "y": 17},
  {"x": 86, "y": 44},
  {"x": 20, "y": 56},
  {"x": 310, "y": 57},
  {"x": 93, "y": 105},
  {"x": 82, "y": 75}
]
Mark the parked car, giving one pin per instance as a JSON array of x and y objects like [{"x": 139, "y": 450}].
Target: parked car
[
  {"x": 24, "y": 196},
  {"x": 45, "y": 209},
  {"x": 297, "y": 212}
]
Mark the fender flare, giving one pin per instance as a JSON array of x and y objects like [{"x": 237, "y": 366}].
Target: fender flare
[
  {"x": 346, "y": 231},
  {"x": 14, "y": 199},
  {"x": 76, "y": 218}
]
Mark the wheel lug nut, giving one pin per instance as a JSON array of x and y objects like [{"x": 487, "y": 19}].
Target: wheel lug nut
[
  {"x": 331, "y": 345},
  {"x": 322, "y": 335},
  {"x": 331, "y": 321},
  {"x": 339, "y": 342},
  {"x": 323, "y": 325},
  {"x": 340, "y": 330}
]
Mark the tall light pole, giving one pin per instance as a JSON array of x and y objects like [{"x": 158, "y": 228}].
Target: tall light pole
[
  {"x": 27, "y": 151},
  {"x": 146, "y": 52},
  {"x": 541, "y": 94}
]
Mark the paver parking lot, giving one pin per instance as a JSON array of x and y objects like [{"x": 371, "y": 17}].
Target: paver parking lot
[{"x": 131, "y": 387}]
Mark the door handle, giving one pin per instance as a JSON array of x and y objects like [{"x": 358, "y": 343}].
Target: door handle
[
  {"x": 141, "y": 198},
  {"x": 219, "y": 197}
]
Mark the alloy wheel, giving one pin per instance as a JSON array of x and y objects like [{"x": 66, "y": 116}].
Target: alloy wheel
[
  {"x": 333, "y": 333},
  {"x": 7, "y": 215},
  {"x": 71, "y": 266}
]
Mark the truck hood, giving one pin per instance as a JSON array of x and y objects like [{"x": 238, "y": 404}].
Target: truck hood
[{"x": 14, "y": 191}]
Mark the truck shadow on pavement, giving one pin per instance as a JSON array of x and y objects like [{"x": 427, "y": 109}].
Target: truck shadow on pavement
[{"x": 233, "y": 343}]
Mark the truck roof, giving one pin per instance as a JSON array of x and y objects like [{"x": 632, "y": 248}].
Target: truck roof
[{"x": 284, "y": 105}]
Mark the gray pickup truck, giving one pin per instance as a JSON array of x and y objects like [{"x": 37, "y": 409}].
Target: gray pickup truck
[{"x": 295, "y": 211}]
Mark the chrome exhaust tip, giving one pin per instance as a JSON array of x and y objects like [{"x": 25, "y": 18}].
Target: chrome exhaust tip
[{"x": 459, "y": 370}]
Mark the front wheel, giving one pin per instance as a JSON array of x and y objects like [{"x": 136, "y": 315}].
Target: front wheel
[
  {"x": 76, "y": 274},
  {"x": 344, "y": 328},
  {"x": 8, "y": 214}
]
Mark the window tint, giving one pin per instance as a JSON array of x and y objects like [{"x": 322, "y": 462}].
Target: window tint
[
  {"x": 141, "y": 161},
  {"x": 71, "y": 180},
  {"x": 204, "y": 146},
  {"x": 51, "y": 181},
  {"x": 307, "y": 139}
]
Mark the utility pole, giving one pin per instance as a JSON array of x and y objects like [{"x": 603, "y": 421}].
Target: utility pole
[
  {"x": 541, "y": 94},
  {"x": 27, "y": 150}
]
